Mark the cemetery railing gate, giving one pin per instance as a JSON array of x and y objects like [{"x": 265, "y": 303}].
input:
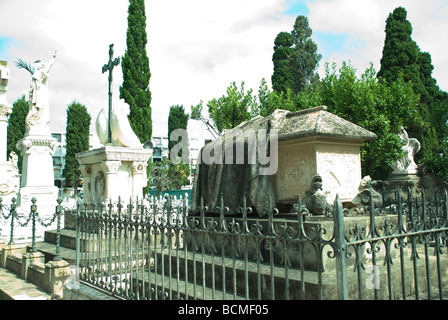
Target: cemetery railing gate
[{"x": 158, "y": 250}]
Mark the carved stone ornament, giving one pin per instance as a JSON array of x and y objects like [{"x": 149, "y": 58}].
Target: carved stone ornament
[
  {"x": 139, "y": 167},
  {"x": 112, "y": 166},
  {"x": 317, "y": 201}
]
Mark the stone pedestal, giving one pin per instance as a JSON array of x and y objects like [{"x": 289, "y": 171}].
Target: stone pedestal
[
  {"x": 37, "y": 181},
  {"x": 113, "y": 172},
  {"x": 56, "y": 274},
  {"x": 28, "y": 259}
]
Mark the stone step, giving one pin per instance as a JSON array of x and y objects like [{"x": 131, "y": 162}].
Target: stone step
[
  {"x": 49, "y": 251},
  {"x": 170, "y": 288},
  {"x": 67, "y": 239},
  {"x": 239, "y": 278}
]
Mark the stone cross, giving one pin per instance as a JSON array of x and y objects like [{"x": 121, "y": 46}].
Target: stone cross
[{"x": 109, "y": 67}]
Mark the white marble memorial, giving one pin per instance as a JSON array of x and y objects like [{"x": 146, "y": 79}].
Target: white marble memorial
[
  {"x": 112, "y": 172},
  {"x": 117, "y": 170},
  {"x": 38, "y": 146}
]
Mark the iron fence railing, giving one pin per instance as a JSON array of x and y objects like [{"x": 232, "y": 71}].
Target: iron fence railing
[{"x": 159, "y": 249}]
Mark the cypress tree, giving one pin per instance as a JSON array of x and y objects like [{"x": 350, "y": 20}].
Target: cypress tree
[
  {"x": 16, "y": 127},
  {"x": 403, "y": 58},
  {"x": 177, "y": 119},
  {"x": 77, "y": 140},
  {"x": 135, "y": 65},
  {"x": 400, "y": 53},
  {"x": 305, "y": 58},
  {"x": 283, "y": 50}
]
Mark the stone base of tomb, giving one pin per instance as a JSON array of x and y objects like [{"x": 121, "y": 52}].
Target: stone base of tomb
[
  {"x": 311, "y": 250},
  {"x": 112, "y": 172}
]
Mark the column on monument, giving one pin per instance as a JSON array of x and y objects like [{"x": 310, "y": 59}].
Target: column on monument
[
  {"x": 112, "y": 183},
  {"x": 86, "y": 172},
  {"x": 139, "y": 179}
]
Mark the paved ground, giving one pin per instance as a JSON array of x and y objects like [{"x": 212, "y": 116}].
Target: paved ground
[{"x": 12, "y": 287}]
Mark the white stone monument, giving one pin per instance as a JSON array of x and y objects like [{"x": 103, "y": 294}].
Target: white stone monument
[
  {"x": 117, "y": 170},
  {"x": 406, "y": 168},
  {"x": 38, "y": 146},
  {"x": 9, "y": 173}
]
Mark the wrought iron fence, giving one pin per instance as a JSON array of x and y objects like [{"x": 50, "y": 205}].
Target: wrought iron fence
[{"x": 158, "y": 249}]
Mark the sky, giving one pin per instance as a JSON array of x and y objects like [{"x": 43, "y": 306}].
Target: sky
[{"x": 196, "y": 48}]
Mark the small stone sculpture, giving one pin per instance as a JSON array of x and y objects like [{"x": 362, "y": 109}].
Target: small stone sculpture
[
  {"x": 317, "y": 201},
  {"x": 121, "y": 131},
  {"x": 410, "y": 147},
  {"x": 365, "y": 192}
]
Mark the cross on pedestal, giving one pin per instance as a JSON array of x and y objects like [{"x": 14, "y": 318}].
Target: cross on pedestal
[{"x": 109, "y": 67}]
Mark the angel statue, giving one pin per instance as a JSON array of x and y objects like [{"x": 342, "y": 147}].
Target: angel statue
[
  {"x": 410, "y": 147},
  {"x": 39, "y": 109}
]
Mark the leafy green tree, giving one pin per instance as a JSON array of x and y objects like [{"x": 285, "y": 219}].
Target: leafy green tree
[
  {"x": 136, "y": 74},
  {"x": 305, "y": 59},
  {"x": 233, "y": 108},
  {"x": 282, "y": 78},
  {"x": 167, "y": 176},
  {"x": 371, "y": 103},
  {"x": 77, "y": 140},
  {"x": 269, "y": 101},
  {"x": 197, "y": 113},
  {"x": 16, "y": 127}
]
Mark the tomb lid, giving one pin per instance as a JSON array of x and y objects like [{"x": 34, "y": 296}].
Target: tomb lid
[{"x": 318, "y": 122}]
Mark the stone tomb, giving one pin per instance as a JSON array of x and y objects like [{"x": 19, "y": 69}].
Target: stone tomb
[
  {"x": 310, "y": 142},
  {"x": 111, "y": 172},
  {"x": 316, "y": 142}
]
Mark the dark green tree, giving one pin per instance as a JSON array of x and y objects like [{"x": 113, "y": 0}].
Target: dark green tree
[
  {"x": 282, "y": 78},
  {"x": 16, "y": 127},
  {"x": 77, "y": 140},
  {"x": 305, "y": 59},
  {"x": 177, "y": 119},
  {"x": 402, "y": 58},
  {"x": 400, "y": 52},
  {"x": 180, "y": 172},
  {"x": 135, "y": 65}
]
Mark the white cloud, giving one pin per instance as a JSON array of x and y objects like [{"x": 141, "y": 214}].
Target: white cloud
[{"x": 196, "y": 48}]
